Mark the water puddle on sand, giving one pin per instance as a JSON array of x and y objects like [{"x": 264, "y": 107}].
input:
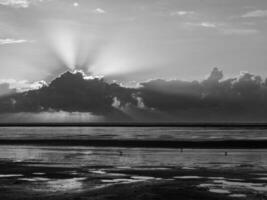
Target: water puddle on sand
[
  {"x": 65, "y": 184},
  {"x": 132, "y": 179},
  {"x": 238, "y": 195},
  {"x": 124, "y": 167},
  {"x": 106, "y": 174},
  {"x": 38, "y": 173},
  {"x": 188, "y": 168},
  {"x": 10, "y": 175},
  {"x": 206, "y": 185},
  {"x": 97, "y": 171},
  {"x": 143, "y": 178},
  {"x": 187, "y": 177},
  {"x": 55, "y": 185},
  {"x": 87, "y": 152},
  {"x": 144, "y": 168},
  {"x": 235, "y": 179},
  {"x": 116, "y": 174},
  {"x": 260, "y": 174},
  {"x": 259, "y": 187},
  {"x": 262, "y": 178},
  {"x": 121, "y": 180},
  {"x": 216, "y": 178},
  {"x": 34, "y": 179},
  {"x": 73, "y": 173},
  {"x": 234, "y": 187},
  {"x": 220, "y": 191}
]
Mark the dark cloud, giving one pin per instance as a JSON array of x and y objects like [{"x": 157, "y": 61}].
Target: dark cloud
[
  {"x": 6, "y": 90},
  {"x": 243, "y": 98},
  {"x": 69, "y": 92}
]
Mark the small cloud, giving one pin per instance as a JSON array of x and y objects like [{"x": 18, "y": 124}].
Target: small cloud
[
  {"x": 23, "y": 85},
  {"x": 239, "y": 31},
  {"x": 99, "y": 11},
  {"x": 225, "y": 29},
  {"x": 20, "y": 3},
  {"x": 11, "y": 41},
  {"x": 15, "y": 3},
  {"x": 208, "y": 25},
  {"x": 182, "y": 13},
  {"x": 255, "y": 13},
  {"x": 202, "y": 24},
  {"x": 75, "y": 4}
]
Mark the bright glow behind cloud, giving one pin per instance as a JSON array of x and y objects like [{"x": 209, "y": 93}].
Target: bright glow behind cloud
[
  {"x": 77, "y": 50},
  {"x": 111, "y": 62},
  {"x": 64, "y": 42}
]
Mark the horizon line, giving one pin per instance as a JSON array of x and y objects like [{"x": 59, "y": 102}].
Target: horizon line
[{"x": 135, "y": 124}]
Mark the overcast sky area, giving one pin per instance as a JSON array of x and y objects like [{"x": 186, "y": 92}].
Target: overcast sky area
[{"x": 132, "y": 40}]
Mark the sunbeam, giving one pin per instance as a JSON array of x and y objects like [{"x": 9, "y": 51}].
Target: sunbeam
[{"x": 64, "y": 42}]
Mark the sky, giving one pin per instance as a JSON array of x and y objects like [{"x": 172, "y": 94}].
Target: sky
[
  {"x": 129, "y": 40},
  {"x": 171, "y": 60}
]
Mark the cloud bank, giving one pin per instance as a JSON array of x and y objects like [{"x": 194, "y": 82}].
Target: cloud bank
[
  {"x": 70, "y": 92},
  {"x": 15, "y": 3},
  {"x": 11, "y": 41},
  {"x": 241, "y": 99},
  {"x": 255, "y": 14}
]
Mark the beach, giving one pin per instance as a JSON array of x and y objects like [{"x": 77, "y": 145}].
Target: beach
[
  {"x": 48, "y": 170},
  {"x": 32, "y": 181}
]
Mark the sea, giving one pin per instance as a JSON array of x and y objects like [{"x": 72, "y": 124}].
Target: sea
[{"x": 133, "y": 157}]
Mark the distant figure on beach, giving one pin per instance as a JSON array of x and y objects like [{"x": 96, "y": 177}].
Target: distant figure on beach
[
  {"x": 120, "y": 152},
  {"x": 225, "y": 153},
  {"x": 181, "y": 150}
]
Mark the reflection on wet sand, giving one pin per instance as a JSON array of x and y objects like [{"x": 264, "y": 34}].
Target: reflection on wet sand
[
  {"x": 83, "y": 170},
  {"x": 231, "y": 182}
]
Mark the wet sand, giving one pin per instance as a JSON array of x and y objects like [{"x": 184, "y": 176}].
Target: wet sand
[{"x": 32, "y": 180}]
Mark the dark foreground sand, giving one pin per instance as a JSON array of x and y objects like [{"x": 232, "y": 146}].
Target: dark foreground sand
[{"x": 37, "y": 182}]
